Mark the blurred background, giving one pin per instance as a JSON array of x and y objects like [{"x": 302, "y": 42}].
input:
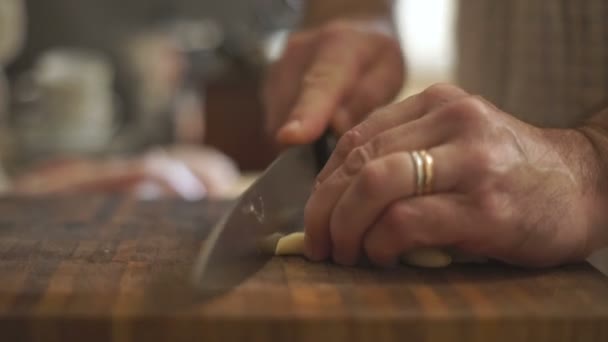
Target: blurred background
[{"x": 157, "y": 97}]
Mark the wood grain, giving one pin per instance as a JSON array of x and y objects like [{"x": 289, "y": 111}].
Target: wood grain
[{"x": 111, "y": 269}]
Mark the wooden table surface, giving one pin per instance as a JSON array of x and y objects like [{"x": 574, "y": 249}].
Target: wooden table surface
[{"x": 111, "y": 269}]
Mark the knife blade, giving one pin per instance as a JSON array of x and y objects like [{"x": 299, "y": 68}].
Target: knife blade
[{"x": 273, "y": 203}]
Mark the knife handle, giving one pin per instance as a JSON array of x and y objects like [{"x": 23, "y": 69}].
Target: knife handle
[{"x": 324, "y": 147}]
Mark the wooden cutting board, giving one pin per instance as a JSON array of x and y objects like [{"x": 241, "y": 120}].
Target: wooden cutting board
[{"x": 111, "y": 269}]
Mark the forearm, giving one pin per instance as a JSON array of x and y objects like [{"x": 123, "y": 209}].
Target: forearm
[
  {"x": 321, "y": 11},
  {"x": 595, "y": 170}
]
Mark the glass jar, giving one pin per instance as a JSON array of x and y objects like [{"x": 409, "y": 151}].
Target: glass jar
[{"x": 64, "y": 106}]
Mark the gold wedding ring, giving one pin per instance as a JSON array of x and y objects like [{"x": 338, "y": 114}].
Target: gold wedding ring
[
  {"x": 419, "y": 168},
  {"x": 428, "y": 169},
  {"x": 423, "y": 165}
]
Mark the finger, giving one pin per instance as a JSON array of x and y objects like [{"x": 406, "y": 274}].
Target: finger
[
  {"x": 332, "y": 75},
  {"x": 377, "y": 87},
  {"x": 414, "y": 135},
  {"x": 430, "y": 221},
  {"x": 378, "y": 185},
  {"x": 345, "y": 119},
  {"x": 387, "y": 118},
  {"x": 282, "y": 83}
]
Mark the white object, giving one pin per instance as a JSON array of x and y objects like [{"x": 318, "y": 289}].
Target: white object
[
  {"x": 12, "y": 29},
  {"x": 426, "y": 29},
  {"x": 73, "y": 110}
]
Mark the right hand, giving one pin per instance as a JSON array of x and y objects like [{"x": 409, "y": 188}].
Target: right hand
[
  {"x": 334, "y": 75},
  {"x": 500, "y": 188}
]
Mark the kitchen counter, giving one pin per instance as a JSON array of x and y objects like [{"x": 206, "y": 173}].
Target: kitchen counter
[{"x": 113, "y": 269}]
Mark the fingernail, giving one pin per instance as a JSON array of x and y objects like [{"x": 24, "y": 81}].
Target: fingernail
[
  {"x": 316, "y": 186},
  {"x": 311, "y": 252},
  {"x": 342, "y": 259},
  {"x": 291, "y": 128}
]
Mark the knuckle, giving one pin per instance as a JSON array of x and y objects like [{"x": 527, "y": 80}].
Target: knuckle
[
  {"x": 337, "y": 29},
  {"x": 473, "y": 104},
  {"x": 394, "y": 219},
  {"x": 321, "y": 178},
  {"x": 469, "y": 111},
  {"x": 371, "y": 179},
  {"x": 488, "y": 188},
  {"x": 388, "y": 47},
  {"x": 349, "y": 141},
  {"x": 440, "y": 93},
  {"x": 397, "y": 222},
  {"x": 484, "y": 157},
  {"x": 378, "y": 146},
  {"x": 319, "y": 74},
  {"x": 356, "y": 160},
  {"x": 483, "y": 161}
]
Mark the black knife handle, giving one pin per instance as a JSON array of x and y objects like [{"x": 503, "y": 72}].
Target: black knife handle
[{"x": 324, "y": 147}]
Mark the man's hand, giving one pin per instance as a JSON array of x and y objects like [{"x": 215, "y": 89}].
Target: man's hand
[
  {"x": 332, "y": 75},
  {"x": 503, "y": 189}
]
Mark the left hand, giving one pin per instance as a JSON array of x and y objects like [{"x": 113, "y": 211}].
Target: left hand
[
  {"x": 502, "y": 189},
  {"x": 332, "y": 75}
]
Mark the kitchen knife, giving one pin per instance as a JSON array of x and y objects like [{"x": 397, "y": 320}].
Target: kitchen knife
[{"x": 274, "y": 203}]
